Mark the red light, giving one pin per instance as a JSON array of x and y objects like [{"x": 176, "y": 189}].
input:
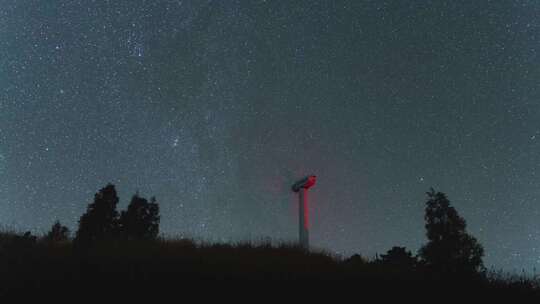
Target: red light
[{"x": 310, "y": 181}]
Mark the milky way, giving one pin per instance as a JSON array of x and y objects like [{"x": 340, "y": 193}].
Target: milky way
[{"x": 217, "y": 107}]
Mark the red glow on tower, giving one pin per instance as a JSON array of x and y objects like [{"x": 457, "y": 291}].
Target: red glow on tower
[
  {"x": 302, "y": 187},
  {"x": 306, "y": 209}
]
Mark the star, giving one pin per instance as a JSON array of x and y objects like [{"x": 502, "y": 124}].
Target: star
[{"x": 218, "y": 108}]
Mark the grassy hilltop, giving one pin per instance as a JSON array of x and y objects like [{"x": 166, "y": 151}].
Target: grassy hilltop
[
  {"x": 36, "y": 266},
  {"x": 120, "y": 254}
]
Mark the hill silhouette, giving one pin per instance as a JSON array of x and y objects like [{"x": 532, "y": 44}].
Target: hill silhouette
[
  {"x": 154, "y": 267},
  {"x": 119, "y": 255}
]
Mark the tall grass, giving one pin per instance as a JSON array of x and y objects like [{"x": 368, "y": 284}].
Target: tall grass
[{"x": 29, "y": 265}]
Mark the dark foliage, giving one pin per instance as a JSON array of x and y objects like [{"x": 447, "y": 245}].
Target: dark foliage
[
  {"x": 100, "y": 222},
  {"x": 450, "y": 249},
  {"x": 400, "y": 258},
  {"x": 355, "y": 260},
  {"x": 163, "y": 268},
  {"x": 58, "y": 233},
  {"x": 18, "y": 242},
  {"x": 140, "y": 264},
  {"x": 141, "y": 219}
]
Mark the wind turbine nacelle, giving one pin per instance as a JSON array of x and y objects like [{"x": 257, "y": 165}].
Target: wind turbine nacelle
[{"x": 304, "y": 183}]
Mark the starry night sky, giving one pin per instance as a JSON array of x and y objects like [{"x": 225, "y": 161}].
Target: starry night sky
[{"x": 217, "y": 107}]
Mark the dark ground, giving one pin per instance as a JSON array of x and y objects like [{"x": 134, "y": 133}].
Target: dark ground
[{"x": 177, "y": 269}]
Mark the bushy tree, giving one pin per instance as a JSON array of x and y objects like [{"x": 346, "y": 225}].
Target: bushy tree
[
  {"x": 100, "y": 221},
  {"x": 13, "y": 243},
  {"x": 450, "y": 249},
  {"x": 141, "y": 219},
  {"x": 26, "y": 240},
  {"x": 398, "y": 257},
  {"x": 58, "y": 233}
]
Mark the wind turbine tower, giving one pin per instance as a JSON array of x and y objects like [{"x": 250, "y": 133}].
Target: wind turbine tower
[{"x": 302, "y": 187}]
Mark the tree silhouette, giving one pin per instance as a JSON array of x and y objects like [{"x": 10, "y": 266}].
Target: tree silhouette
[
  {"x": 58, "y": 233},
  {"x": 24, "y": 242},
  {"x": 100, "y": 221},
  {"x": 141, "y": 219},
  {"x": 355, "y": 260},
  {"x": 399, "y": 257},
  {"x": 450, "y": 249}
]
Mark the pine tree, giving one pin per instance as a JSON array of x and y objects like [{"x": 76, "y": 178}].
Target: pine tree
[
  {"x": 450, "y": 249},
  {"x": 100, "y": 222},
  {"x": 141, "y": 219},
  {"x": 58, "y": 233}
]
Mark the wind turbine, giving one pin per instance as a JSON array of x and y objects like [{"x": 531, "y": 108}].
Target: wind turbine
[{"x": 301, "y": 187}]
